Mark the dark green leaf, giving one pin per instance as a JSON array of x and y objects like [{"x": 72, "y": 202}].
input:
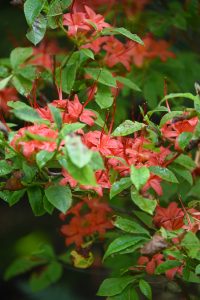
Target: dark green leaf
[
  {"x": 38, "y": 29},
  {"x": 167, "y": 265},
  {"x": 47, "y": 205},
  {"x": 32, "y": 9},
  {"x": 163, "y": 173},
  {"x": 16, "y": 196},
  {"x": 119, "y": 186},
  {"x": 114, "y": 286},
  {"x": 5, "y": 168},
  {"x": 184, "y": 139},
  {"x": 35, "y": 199},
  {"x": 186, "y": 161},
  {"x": 59, "y": 196},
  {"x": 145, "y": 204},
  {"x": 129, "y": 226},
  {"x": 43, "y": 157},
  {"x": 145, "y": 288},
  {"x": 121, "y": 243},
  {"x": 50, "y": 274}
]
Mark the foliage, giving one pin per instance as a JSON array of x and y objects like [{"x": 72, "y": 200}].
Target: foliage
[{"x": 129, "y": 183}]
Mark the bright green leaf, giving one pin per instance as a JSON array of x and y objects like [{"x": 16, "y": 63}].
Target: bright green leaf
[
  {"x": 128, "y": 127},
  {"x": 139, "y": 176},
  {"x": 114, "y": 286}
]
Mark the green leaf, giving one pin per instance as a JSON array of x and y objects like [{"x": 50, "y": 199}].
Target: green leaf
[
  {"x": 104, "y": 97},
  {"x": 79, "y": 154},
  {"x": 43, "y": 157},
  {"x": 139, "y": 177},
  {"x": 56, "y": 115},
  {"x": 197, "y": 270},
  {"x": 167, "y": 265},
  {"x": 114, "y": 286},
  {"x": 69, "y": 128},
  {"x": 88, "y": 53},
  {"x": 144, "y": 204},
  {"x": 59, "y": 196},
  {"x": 69, "y": 72},
  {"x": 22, "y": 85},
  {"x": 19, "y": 56},
  {"x": 128, "y": 127},
  {"x": 27, "y": 114},
  {"x": 144, "y": 218},
  {"x": 121, "y": 243},
  {"x": 32, "y": 9},
  {"x": 16, "y": 196},
  {"x": 129, "y": 226},
  {"x": 56, "y": 7},
  {"x": 184, "y": 139},
  {"x": 21, "y": 266},
  {"x": 38, "y": 29},
  {"x": 47, "y": 205},
  {"x": 190, "y": 276},
  {"x": 4, "y": 82},
  {"x": 96, "y": 162},
  {"x": 169, "y": 116},
  {"x": 5, "y": 168},
  {"x": 182, "y": 172},
  {"x": 145, "y": 288},
  {"x": 179, "y": 95},
  {"x": 192, "y": 244},
  {"x": 185, "y": 161},
  {"x": 5, "y": 195},
  {"x": 83, "y": 175},
  {"x": 163, "y": 173},
  {"x": 102, "y": 75},
  {"x": 35, "y": 199},
  {"x": 123, "y": 31},
  {"x": 29, "y": 172},
  {"x": 127, "y": 82},
  {"x": 50, "y": 274},
  {"x": 119, "y": 186}
]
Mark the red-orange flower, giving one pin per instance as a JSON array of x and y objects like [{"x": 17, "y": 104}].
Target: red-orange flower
[
  {"x": 170, "y": 218},
  {"x": 7, "y": 94}
]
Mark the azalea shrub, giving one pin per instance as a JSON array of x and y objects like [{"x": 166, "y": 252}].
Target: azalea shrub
[{"x": 100, "y": 126}]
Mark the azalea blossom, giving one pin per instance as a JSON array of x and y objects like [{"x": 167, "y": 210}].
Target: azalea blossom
[
  {"x": 171, "y": 218},
  {"x": 83, "y": 22},
  {"x": 29, "y": 146},
  {"x": 89, "y": 217},
  {"x": 7, "y": 94}
]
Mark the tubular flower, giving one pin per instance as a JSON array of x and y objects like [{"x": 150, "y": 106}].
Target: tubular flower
[
  {"x": 171, "y": 218},
  {"x": 89, "y": 217},
  {"x": 29, "y": 146}
]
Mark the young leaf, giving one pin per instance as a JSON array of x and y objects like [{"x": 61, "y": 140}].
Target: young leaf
[
  {"x": 119, "y": 186},
  {"x": 35, "y": 199},
  {"x": 79, "y": 154},
  {"x": 139, "y": 177},
  {"x": 145, "y": 288},
  {"x": 163, "y": 173},
  {"x": 19, "y": 56},
  {"x": 4, "y": 82},
  {"x": 32, "y": 9},
  {"x": 88, "y": 53},
  {"x": 128, "y": 127},
  {"x": 102, "y": 75},
  {"x": 114, "y": 286},
  {"x": 144, "y": 204},
  {"x": 59, "y": 196}
]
